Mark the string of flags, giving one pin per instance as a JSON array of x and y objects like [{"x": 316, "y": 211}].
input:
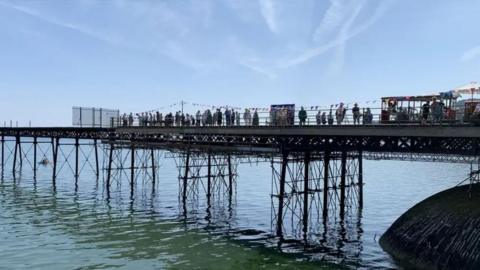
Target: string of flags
[{"x": 258, "y": 109}]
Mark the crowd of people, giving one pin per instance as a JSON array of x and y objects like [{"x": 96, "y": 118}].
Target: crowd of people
[
  {"x": 435, "y": 109},
  {"x": 230, "y": 117}
]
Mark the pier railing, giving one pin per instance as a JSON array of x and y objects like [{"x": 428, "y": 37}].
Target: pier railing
[{"x": 314, "y": 117}]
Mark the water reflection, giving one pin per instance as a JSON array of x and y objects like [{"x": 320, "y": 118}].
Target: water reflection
[
  {"x": 126, "y": 234},
  {"x": 226, "y": 225}
]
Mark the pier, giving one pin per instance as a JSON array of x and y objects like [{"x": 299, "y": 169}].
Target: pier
[{"x": 314, "y": 168}]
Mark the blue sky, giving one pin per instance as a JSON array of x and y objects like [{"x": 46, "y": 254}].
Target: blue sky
[{"x": 140, "y": 55}]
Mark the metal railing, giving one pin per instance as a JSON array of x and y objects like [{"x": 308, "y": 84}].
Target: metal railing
[{"x": 330, "y": 118}]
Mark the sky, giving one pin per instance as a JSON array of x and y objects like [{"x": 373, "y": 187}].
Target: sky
[{"x": 140, "y": 55}]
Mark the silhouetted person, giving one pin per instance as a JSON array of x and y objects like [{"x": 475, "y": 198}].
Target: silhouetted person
[
  {"x": 256, "y": 119},
  {"x": 302, "y": 116}
]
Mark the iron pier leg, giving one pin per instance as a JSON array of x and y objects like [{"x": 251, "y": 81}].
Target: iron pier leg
[
  {"x": 95, "y": 145},
  {"x": 230, "y": 178},
  {"x": 306, "y": 192},
  {"x": 132, "y": 169},
  {"x": 326, "y": 175},
  {"x": 209, "y": 179},
  {"x": 185, "y": 178},
  {"x": 20, "y": 151},
  {"x": 77, "y": 144},
  {"x": 15, "y": 155},
  {"x": 109, "y": 169},
  {"x": 360, "y": 179},
  {"x": 35, "y": 142},
  {"x": 3, "y": 154},
  {"x": 55, "y": 157},
  {"x": 342, "y": 184},
  {"x": 154, "y": 175},
  {"x": 281, "y": 196}
]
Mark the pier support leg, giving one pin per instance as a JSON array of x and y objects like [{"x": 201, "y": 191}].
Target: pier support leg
[
  {"x": 209, "y": 179},
  {"x": 15, "y": 156},
  {"x": 19, "y": 141},
  {"x": 35, "y": 142},
  {"x": 326, "y": 175},
  {"x": 343, "y": 177},
  {"x": 230, "y": 178},
  {"x": 154, "y": 173},
  {"x": 281, "y": 196},
  {"x": 360, "y": 179},
  {"x": 132, "y": 169},
  {"x": 55, "y": 157},
  {"x": 77, "y": 145},
  {"x": 185, "y": 179},
  {"x": 3, "y": 154},
  {"x": 95, "y": 145},
  {"x": 109, "y": 169},
  {"x": 306, "y": 193}
]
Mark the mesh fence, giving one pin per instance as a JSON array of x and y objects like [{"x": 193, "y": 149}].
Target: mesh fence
[{"x": 94, "y": 117}]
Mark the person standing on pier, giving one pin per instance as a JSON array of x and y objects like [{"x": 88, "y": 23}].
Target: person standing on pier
[
  {"x": 302, "y": 116},
  {"x": 160, "y": 119},
  {"x": 330, "y": 116},
  {"x": 247, "y": 117},
  {"x": 425, "y": 112},
  {"x": 324, "y": 118},
  {"x": 437, "y": 111},
  {"x": 237, "y": 118},
  {"x": 204, "y": 118},
  {"x": 356, "y": 114},
  {"x": 215, "y": 118},
  {"x": 232, "y": 117},
  {"x": 340, "y": 114},
  {"x": 177, "y": 119},
  {"x": 124, "y": 120},
  {"x": 227, "y": 117},
  {"x": 198, "y": 117},
  {"x": 130, "y": 119},
  {"x": 367, "y": 116},
  {"x": 319, "y": 118},
  {"x": 256, "y": 119},
  {"x": 219, "y": 118}
]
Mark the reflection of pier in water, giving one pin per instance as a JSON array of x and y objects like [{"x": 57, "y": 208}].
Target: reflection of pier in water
[{"x": 317, "y": 173}]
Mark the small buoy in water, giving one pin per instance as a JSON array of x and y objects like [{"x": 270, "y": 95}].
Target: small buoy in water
[{"x": 44, "y": 161}]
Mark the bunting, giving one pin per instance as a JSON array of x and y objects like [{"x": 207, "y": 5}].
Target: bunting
[{"x": 169, "y": 108}]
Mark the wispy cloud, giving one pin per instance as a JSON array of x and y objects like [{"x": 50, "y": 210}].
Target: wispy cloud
[
  {"x": 471, "y": 54},
  {"x": 267, "y": 8},
  {"x": 343, "y": 32},
  {"x": 253, "y": 65},
  {"x": 338, "y": 60},
  {"x": 168, "y": 48},
  {"x": 70, "y": 26},
  {"x": 332, "y": 20},
  {"x": 193, "y": 35}
]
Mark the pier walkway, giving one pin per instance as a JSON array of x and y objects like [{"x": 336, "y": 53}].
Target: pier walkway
[{"x": 461, "y": 140}]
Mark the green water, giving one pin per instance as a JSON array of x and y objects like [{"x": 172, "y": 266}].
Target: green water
[
  {"x": 70, "y": 226},
  {"x": 41, "y": 229}
]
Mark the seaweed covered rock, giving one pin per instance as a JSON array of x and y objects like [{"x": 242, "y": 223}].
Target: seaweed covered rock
[{"x": 442, "y": 232}]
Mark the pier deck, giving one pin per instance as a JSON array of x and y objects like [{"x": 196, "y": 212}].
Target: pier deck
[{"x": 434, "y": 139}]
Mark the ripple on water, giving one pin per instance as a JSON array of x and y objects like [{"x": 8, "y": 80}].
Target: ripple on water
[{"x": 46, "y": 228}]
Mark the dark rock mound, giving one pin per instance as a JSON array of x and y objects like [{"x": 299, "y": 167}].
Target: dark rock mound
[{"x": 442, "y": 232}]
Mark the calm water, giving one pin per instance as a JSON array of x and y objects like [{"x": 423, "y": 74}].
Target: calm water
[{"x": 68, "y": 228}]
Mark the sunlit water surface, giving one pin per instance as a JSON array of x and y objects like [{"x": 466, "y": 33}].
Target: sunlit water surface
[{"x": 80, "y": 228}]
